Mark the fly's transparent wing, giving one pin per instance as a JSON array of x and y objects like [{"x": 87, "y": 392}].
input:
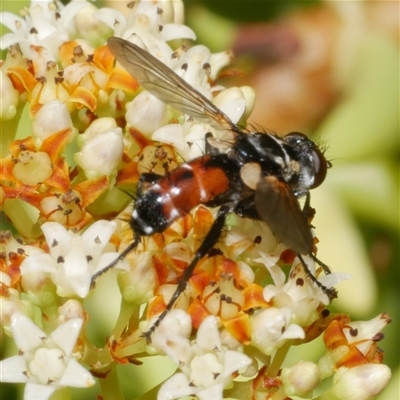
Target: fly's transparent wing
[
  {"x": 279, "y": 208},
  {"x": 166, "y": 85}
]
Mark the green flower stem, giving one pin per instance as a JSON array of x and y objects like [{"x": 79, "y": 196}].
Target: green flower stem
[
  {"x": 279, "y": 358},
  {"x": 110, "y": 387},
  {"x": 23, "y": 217},
  {"x": 8, "y": 132},
  {"x": 129, "y": 314},
  {"x": 63, "y": 393}
]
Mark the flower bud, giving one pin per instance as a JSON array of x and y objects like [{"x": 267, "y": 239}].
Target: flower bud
[
  {"x": 301, "y": 379},
  {"x": 146, "y": 113},
  {"x": 232, "y": 102},
  {"x": 101, "y": 154},
  {"x": 8, "y": 98},
  {"x": 51, "y": 118},
  {"x": 71, "y": 309},
  {"x": 364, "y": 382}
]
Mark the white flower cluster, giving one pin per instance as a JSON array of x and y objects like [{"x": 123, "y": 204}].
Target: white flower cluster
[{"x": 94, "y": 97}]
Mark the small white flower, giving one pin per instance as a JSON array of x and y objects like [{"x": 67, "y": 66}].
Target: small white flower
[
  {"x": 43, "y": 25},
  {"x": 146, "y": 113},
  {"x": 206, "y": 366},
  {"x": 271, "y": 328},
  {"x": 101, "y": 154},
  {"x": 51, "y": 118},
  {"x": 232, "y": 102},
  {"x": 73, "y": 259},
  {"x": 11, "y": 305},
  {"x": 176, "y": 324},
  {"x": 145, "y": 20},
  {"x": 297, "y": 294},
  {"x": 44, "y": 363}
]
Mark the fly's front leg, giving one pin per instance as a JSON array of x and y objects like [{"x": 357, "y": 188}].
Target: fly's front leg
[
  {"x": 121, "y": 256},
  {"x": 145, "y": 179},
  {"x": 309, "y": 213}
]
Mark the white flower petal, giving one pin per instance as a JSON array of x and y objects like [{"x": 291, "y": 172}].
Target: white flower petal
[
  {"x": 270, "y": 291},
  {"x": 66, "y": 334},
  {"x": 206, "y": 370},
  {"x": 293, "y": 331},
  {"x": 101, "y": 154},
  {"x": 195, "y": 141},
  {"x": 176, "y": 323},
  {"x": 146, "y": 113},
  {"x": 11, "y": 370},
  {"x": 234, "y": 109},
  {"x": 109, "y": 16},
  {"x": 234, "y": 361},
  {"x": 57, "y": 237},
  {"x": 34, "y": 391},
  {"x": 175, "y": 387},
  {"x": 176, "y": 31},
  {"x": 213, "y": 392},
  {"x": 5, "y": 278},
  {"x": 334, "y": 278},
  {"x": 107, "y": 258},
  {"x": 208, "y": 336},
  {"x": 12, "y": 21},
  {"x": 178, "y": 349},
  {"x": 171, "y": 134},
  {"x": 76, "y": 376},
  {"x": 26, "y": 334},
  {"x": 75, "y": 262},
  {"x": 38, "y": 263},
  {"x": 81, "y": 285},
  {"x": 51, "y": 118},
  {"x": 363, "y": 382},
  {"x": 9, "y": 97},
  {"x": 99, "y": 233}
]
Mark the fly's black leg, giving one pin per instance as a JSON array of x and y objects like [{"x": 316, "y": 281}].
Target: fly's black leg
[
  {"x": 330, "y": 292},
  {"x": 122, "y": 255},
  {"x": 326, "y": 269},
  {"x": 308, "y": 212},
  {"x": 145, "y": 178},
  {"x": 207, "y": 245}
]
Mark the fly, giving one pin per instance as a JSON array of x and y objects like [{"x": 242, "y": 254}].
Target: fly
[{"x": 261, "y": 176}]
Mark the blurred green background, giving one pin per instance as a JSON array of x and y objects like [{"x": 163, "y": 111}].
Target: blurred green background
[{"x": 331, "y": 70}]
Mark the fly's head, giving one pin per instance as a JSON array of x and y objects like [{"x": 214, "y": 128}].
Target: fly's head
[{"x": 307, "y": 163}]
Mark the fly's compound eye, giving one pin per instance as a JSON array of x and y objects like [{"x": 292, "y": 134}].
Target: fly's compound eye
[
  {"x": 315, "y": 155},
  {"x": 320, "y": 167}
]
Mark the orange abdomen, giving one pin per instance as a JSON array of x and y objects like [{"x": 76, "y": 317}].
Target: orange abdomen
[{"x": 200, "y": 181}]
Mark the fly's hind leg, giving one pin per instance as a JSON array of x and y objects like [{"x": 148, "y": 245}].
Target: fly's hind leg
[
  {"x": 330, "y": 292},
  {"x": 209, "y": 241}
]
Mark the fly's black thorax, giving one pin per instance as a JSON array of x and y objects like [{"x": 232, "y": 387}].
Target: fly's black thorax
[{"x": 265, "y": 149}]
